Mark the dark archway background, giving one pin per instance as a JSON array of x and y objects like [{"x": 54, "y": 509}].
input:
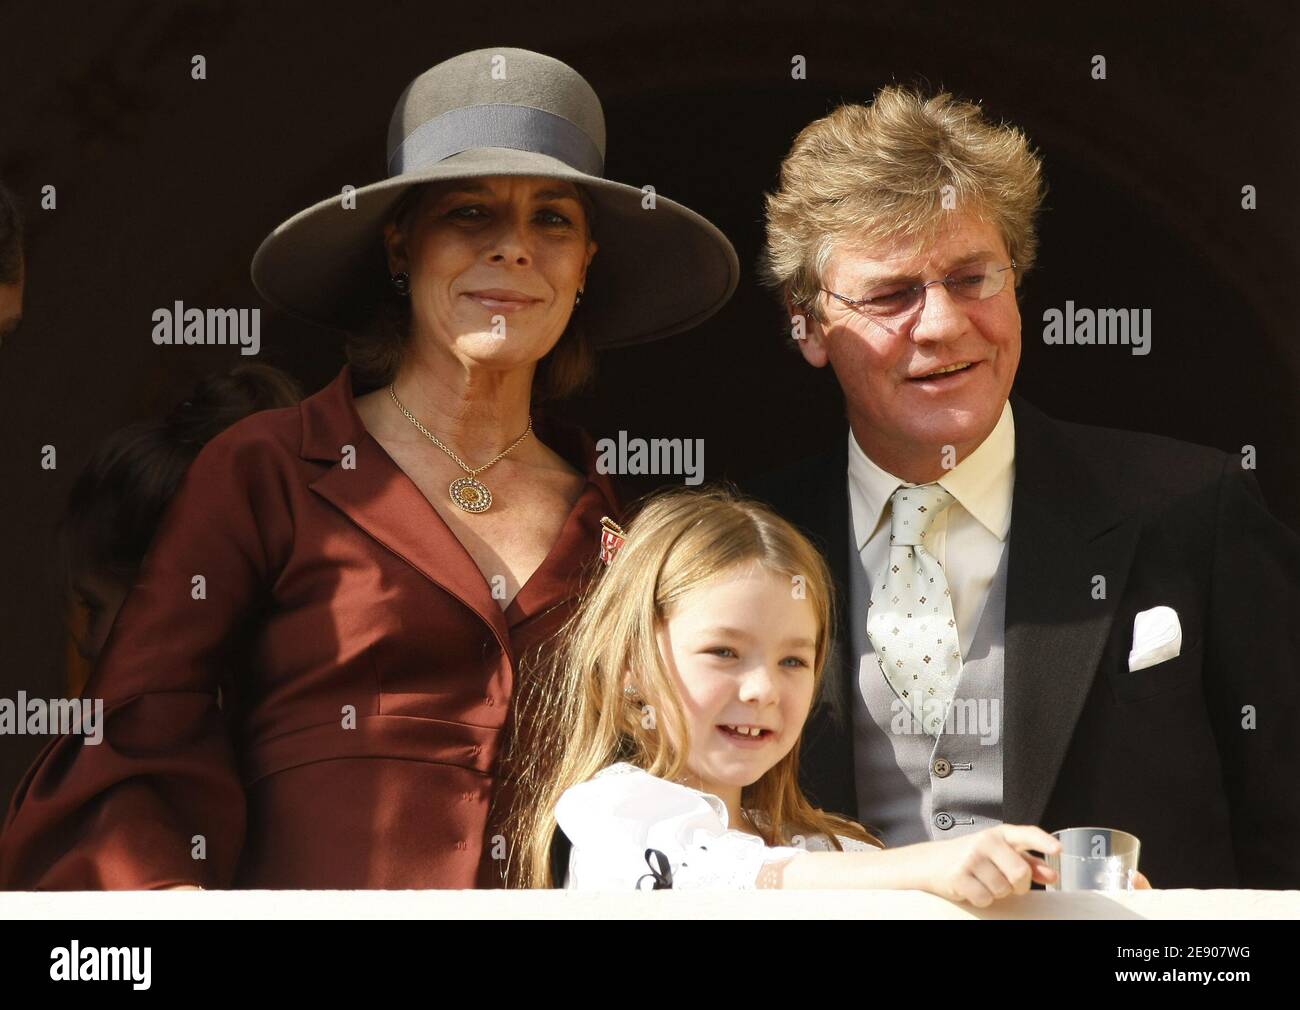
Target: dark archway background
[{"x": 167, "y": 185}]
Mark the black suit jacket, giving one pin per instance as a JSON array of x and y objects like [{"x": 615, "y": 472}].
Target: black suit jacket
[{"x": 1199, "y": 756}]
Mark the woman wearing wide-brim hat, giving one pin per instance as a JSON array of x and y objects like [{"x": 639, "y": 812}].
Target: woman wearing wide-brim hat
[{"x": 311, "y": 683}]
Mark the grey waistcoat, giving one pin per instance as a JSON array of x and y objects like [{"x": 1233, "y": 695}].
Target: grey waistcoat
[{"x": 912, "y": 788}]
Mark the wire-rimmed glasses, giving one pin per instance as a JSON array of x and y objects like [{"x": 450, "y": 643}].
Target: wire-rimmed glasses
[{"x": 973, "y": 282}]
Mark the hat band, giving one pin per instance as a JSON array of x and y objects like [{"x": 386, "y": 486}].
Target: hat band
[{"x": 519, "y": 127}]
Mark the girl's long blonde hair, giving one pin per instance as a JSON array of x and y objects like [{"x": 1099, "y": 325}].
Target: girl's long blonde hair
[{"x": 573, "y": 711}]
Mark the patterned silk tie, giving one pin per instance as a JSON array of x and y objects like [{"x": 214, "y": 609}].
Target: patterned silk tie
[{"x": 910, "y": 618}]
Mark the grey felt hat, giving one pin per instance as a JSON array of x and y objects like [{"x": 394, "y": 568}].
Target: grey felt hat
[{"x": 505, "y": 111}]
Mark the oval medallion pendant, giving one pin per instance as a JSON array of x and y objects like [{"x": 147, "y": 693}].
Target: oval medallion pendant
[{"x": 470, "y": 494}]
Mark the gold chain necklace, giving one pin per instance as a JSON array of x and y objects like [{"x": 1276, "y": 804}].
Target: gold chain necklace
[{"x": 469, "y": 493}]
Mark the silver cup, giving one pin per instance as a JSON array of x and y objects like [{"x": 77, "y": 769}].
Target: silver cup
[{"x": 1094, "y": 859}]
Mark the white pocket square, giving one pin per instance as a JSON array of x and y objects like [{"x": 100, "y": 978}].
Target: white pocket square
[{"x": 1157, "y": 636}]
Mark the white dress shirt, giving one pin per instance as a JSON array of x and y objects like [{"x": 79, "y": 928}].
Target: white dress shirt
[
  {"x": 968, "y": 539},
  {"x": 619, "y": 813}
]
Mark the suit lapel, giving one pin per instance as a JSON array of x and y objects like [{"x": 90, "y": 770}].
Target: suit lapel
[
  {"x": 1063, "y": 535},
  {"x": 835, "y": 714},
  {"x": 814, "y": 496}
]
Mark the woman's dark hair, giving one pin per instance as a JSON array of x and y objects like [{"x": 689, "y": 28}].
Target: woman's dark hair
[
  {"x": 120, "y": 495},
  {"x": 11, "y": 237},
  {"x": 375, "y": 350}
]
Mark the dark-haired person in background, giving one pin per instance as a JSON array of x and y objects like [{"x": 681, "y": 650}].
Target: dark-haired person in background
[
  {"x": 120, "y": 495},
  {"x": 13, "y": 265}
]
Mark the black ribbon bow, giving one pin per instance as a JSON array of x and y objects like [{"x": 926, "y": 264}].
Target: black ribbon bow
[{"x": 662, "y": 875}]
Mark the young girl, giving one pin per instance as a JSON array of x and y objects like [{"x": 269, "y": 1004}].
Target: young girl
[{"x": 673, "y": 706}]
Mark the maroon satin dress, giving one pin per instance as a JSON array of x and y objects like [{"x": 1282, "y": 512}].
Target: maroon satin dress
[{"x": 366, "y": 676}]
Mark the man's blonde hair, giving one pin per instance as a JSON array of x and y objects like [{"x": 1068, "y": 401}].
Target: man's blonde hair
[{"x": 882, "y": 172}]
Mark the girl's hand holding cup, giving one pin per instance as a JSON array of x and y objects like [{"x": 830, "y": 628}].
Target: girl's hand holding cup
[{"x": 987, "y": 865}]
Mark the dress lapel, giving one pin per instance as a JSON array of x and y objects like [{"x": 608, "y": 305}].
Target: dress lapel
[
  {"x": 1063, "y": 534},
  {"x": 375, "y": 493},
  {"x": 558, "y": 578},
  {"x": 378, "y": 496}
]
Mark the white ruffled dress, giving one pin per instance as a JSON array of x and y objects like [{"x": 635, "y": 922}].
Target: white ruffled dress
[{"x": 630, "y": 829}]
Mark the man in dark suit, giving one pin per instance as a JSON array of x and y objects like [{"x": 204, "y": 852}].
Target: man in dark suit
[{"x": 1042, "y": 622}]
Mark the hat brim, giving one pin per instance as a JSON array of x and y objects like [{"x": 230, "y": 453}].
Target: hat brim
[{"x": 657, "y": 271}]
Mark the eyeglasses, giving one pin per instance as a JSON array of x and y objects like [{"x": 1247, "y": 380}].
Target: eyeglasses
[{"x": 971, "y": 283}]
